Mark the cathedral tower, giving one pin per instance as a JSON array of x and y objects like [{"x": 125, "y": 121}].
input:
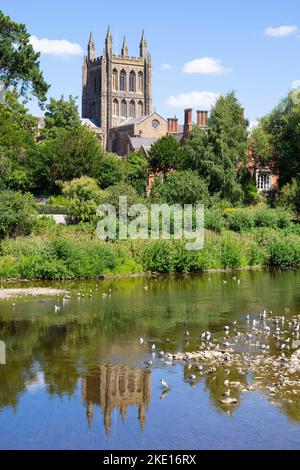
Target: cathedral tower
[{"x": 116, "y": 87}]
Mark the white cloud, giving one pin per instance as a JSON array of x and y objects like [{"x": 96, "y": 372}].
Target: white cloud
[
  {"x": 206, "y": 65},
  {"x": 201, "y": 99},
  {"x": 59, "y": 47},
  {"x": 167, "y": 67},
  {"x": 281, "y": 31}
]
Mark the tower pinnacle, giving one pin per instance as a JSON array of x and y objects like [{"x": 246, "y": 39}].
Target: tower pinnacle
[
  {"x": 91, "y": 48},
  {"x": 143, "y": 45},
  {"x": 124, "y": 51}
]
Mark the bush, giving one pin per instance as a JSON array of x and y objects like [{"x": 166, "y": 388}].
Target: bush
[
  {"x": 158, "y": 257},
  {"x": 284, "y": 252},
  {"x": 112, "y": 195},
  {"x": 240, "y": 220},
  {"x": 182, "y": 187},
  {"x": 232, "y": 254},
  {"x": 84, "y": 196},
  {"x": 108, "y": 170},
  {"x": 17, "y": 214},
  {"x": 214, "y": 220},
  {"x": 265, "y": 217}
]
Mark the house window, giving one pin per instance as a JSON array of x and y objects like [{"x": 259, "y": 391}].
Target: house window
[
  {"x": 124, "y": 108},
  {"x": 140, "y": 82},
  {"x": 116, "y": 108},
  {"x": 132, "y": 82},
  {"x": 140, "y": 109},
  {"x": 264, "y": 181},
  {"x": 123, "y": 80},
  {"x": 115, "y": 80}
]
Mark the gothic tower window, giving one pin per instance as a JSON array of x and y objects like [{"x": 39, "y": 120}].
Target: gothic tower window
[
  {"x": 123, "y": 80},
  {"x": 115, "y": 80},
  {"x": 116, "y": 108},
  {"x": 140, "y": 109},
  {"x": 124, "y": 108},
  {"x": 132, "y": 82},
  {"x": 140, "y": 82},
  {"x": 132, "y": 109}
]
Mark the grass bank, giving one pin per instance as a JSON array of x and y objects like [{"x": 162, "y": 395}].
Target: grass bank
[{"x": 66, "y": 253}]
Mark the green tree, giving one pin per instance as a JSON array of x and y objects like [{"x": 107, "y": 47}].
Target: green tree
[
  {"x": 108, "y": 170},
  {"x": 67, "y": 155},
  {"x": 122, "y": 189},
  {"x": 227, "y": 136},
  {"x": 19, "y": 63},
  {"x": 165, "y": 154},
  {"x": 17, "y": 214},
  {"x": 289, "y": 196},
  {"x": 182, "y": 187},
  {"x": 218, "y": 153},
  {"x": 260, "y": 145},
  {"x": 136, "y": 171},
  {"x": 17, "y": 144},
  {"x": 62, "y": 114},
  {"x": 84, "y": 195},
  {"x": 195, "y": 151},
  {"x": 283, "y": 128}
]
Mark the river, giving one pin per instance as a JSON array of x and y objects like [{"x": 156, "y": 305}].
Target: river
[{"x": 77, "y": 378}]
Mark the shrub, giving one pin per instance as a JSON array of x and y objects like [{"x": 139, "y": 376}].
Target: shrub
[
  {"x": 84, "y": 196},
  {"x": 214, "y": 220},
  {"x": 232, "y": 252},
  {"x": 265, "y": 217},
  {"x": 158, "y": 257},
  {"x": 182, "y": 187},
  {"x": 240, "y": 220},
  {"x": 284, "y": 252},
  {"x": 108, "y": 170},
  {"x": 17, "y": 214}
]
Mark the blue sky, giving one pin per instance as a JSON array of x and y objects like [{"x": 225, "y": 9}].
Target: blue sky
[{"x": 199, "y": 48}]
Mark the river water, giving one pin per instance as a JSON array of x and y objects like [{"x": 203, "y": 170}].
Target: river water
[{"x": 78, "y": 379}]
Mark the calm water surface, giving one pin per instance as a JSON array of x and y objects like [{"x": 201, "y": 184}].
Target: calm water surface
[{"x": 78, "y": 379}]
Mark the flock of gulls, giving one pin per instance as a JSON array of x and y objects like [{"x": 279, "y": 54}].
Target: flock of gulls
[{"x": 263, "y": 352}]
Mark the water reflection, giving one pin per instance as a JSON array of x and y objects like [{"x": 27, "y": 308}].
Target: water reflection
[
  {"x": 94, "y": 343},
  {"x": 116, "y": 387}
]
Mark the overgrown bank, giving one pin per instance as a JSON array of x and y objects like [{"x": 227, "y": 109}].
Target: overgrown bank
[{"x": 73, "y": 253}]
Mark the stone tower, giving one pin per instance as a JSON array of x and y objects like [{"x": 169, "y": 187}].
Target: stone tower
[{"x": 116, "y": 87}]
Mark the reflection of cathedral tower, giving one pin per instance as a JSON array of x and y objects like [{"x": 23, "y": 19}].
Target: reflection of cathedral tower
[{"x": 117, "y": 387}]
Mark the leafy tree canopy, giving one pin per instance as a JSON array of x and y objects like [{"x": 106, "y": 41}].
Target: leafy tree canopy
[
  {"x": 19, "y": 63},
  {"x": 108, "y": 170},
  {"x": 69, "y": 154},
  {"x": 283, "y": 129},
  {"x": 62, "y": 113},
  {"x": 182, "y": 187},
  {"x": 165, "y": 154}
]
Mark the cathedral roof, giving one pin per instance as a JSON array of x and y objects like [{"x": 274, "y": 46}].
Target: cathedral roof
[{"x": 139, "y": 142}]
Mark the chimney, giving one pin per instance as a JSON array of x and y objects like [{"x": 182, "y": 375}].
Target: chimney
[
  {"x": 175, "y": 123},
  {"x": 202, "y": 119},
  {"x": 199, "y": 118},
  {"x": 188, "y": 124},
  {"x": 170, "y": 125}
]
